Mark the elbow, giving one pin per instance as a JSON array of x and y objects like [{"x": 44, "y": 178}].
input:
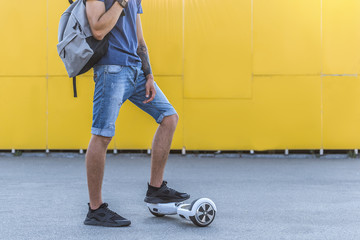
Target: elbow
[
  {"x": 141, "y": 41},
  {"x": 98, "y": 35}
]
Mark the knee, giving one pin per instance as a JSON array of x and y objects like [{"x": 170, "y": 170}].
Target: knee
[
  {"x": 170, "y": 121},
  {"x": 104, "y": 141}
]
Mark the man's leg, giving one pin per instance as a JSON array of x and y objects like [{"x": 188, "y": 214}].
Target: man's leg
[
  {"x": 112, "y": 88},
  {"x": 99, "y": 214},
  {"x": 95, "y": 162},
  {"x": 165, "y": 115},
  {"x": 158, "y": 191},
  {"x": 161, "y": 148}
]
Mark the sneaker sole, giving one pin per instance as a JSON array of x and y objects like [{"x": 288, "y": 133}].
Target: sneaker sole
[
  {"x": 105, "y": 224},
  {"x": 158, "y": 200}
]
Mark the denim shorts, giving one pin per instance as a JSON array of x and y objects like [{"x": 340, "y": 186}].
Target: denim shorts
[{"x": 114, "y": 84}]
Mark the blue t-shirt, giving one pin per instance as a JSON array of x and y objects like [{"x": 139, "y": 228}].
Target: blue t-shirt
[{"x": 123, "y": 39}]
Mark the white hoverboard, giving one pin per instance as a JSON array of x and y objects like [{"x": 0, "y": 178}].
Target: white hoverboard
[{"x": 201, "y": 211}]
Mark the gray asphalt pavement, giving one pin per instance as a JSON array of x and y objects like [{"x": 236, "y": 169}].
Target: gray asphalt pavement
[{"x": 45, "y": 197}]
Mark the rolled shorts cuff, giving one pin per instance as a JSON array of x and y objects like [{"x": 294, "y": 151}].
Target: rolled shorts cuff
[
  {"x": 165, "y": 114},
  {"x": 103, "y": 132}
]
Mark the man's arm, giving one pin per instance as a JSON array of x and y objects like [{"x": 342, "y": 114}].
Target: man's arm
[
  {"x": 146, "y": 67},
  {"x": 142, "y": 50},
  {"x": 101, "y": 21}
]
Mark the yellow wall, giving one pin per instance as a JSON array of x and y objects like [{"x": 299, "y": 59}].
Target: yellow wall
[{"x": 242, "y": 74}]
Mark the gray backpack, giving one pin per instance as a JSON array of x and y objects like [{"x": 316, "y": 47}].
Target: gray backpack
[{"x": 77, "y": 48}]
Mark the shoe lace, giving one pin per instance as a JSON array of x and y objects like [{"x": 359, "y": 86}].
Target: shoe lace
[
  {"x": 111, "y": 212},
  {"x": 171, "y": 190}
]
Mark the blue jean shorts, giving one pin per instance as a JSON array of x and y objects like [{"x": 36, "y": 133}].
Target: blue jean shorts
[{"x": 114, "y": 84}]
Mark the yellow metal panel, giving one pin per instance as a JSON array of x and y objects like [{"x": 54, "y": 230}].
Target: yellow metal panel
[
  {"x": 287, "y": 37},
  {"x": 341, "y": 36},
  {"x": 267, "y": 112},
  {"x": 56, "y": 66},
  {"x": 341, "y": 112},
  {"x": 70, "y": 118},
  {"x": 287, "y": 113},
  {"x": 162, "y": 23},
  {"x": 23, "y": 113},
  {"x": 23, "y": 38},
  {"x": 217, "y": 49},
  {"x": 135, "y": 129},
  {"x": 217, "y": 124},
  {"x": 56, "y": 8}
]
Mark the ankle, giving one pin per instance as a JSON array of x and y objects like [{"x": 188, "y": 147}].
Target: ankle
[
  {"x": 94, "y": 206},
  {"x": 155, "y": 184}
]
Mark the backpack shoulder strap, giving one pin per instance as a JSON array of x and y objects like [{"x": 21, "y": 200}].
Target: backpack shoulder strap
[{"x": 74, "y": 87}]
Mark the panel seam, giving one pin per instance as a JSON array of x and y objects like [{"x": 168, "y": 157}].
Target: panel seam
[
  {"x": 321, "y": 77},
  {"x": 183, "y": 73},
  {"x": 47, "y": 75}
]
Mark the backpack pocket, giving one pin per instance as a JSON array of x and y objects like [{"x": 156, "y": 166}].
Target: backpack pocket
[{"x": 75, "y": 52}]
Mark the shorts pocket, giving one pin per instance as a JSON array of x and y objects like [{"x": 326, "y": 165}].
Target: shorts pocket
[
  {"x": 98, "y": 70},
  {"x": 114, "y": 69}
]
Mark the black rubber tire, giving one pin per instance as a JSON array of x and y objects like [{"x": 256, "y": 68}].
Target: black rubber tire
[
  {"x": 193, "y": 219},
  {"x": 156, "y": 214}
]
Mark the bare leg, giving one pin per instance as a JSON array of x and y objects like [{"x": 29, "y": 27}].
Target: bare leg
[
  {"x": 161, "y": 148},
  {"x": 95, "y": 163}
]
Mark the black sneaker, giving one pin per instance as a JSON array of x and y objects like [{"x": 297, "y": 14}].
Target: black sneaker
[
  {"x": 103, "y": 216},
  {"x": 164, "y": 194}
]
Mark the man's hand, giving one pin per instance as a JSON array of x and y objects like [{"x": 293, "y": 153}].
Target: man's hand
[{"x": 150, "y": 88}]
